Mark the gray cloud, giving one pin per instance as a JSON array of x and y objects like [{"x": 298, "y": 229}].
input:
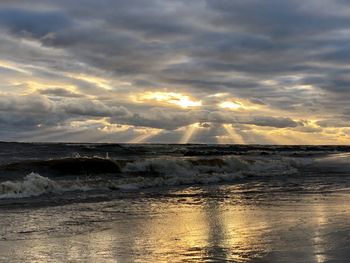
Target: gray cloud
[
  {"x": 33, "y": 23},
  {"x": 334, "y": 123},
  {"x": 162, "y": 119},
  {"x": 272, "y": 122},
  {"x": 60, "y": 92},
  {"x": 31, "y": 104},
  {"x": 90, "y": 108},
  {"x": 41, "y": 105}
]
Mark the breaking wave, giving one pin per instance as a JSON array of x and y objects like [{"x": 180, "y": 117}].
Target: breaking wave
[
  {"x": 157, "y": 172},
  {"x": 170, "y": 167},
  {"x": 34, "y": 184}
]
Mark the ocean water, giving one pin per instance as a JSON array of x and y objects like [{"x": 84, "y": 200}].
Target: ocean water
[{"x": 174, "y": 203}]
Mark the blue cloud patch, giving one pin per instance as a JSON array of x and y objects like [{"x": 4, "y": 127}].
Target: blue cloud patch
[{"x": 36, "y": 24}]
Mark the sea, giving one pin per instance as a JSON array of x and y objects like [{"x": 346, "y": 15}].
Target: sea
[{"x": 88, "y": 202}]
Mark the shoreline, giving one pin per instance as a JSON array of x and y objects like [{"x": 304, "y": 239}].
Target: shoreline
[{"x": 196, "y": 224}]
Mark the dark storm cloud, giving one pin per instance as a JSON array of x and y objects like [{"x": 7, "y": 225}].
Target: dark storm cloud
[
  {"x": 276, "y": 122},
  {"x": 278, "y": 18},
  {"x": 161, "y": 119},
  {"x": 59, "y": 92},
  {"x": 272, "y": 122},
  {"x": 36, "y": 24},
  {"x": 10, "y": 103},
  {"x": 42, "y": 105},
  {"x": 91, "y": 108},
  {"x": 133, "y": 37},
  {"x": 334, "y": 82},
  {"x": 170, "y": 120},
  {"x": 261, "y": 51}
]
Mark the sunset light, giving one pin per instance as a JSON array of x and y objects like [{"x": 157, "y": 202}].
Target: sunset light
[
  {"x": 177, "y": 99},
  {"x": 175, "y": 131},
  {"x": 230, "y": 105}
]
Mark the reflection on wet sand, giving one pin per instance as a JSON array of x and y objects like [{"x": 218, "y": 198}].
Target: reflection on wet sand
[
  {"x": 230, "y": 234},
  {"x": 194, "y": 228}
]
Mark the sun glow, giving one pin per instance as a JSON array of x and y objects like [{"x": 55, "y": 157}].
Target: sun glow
[
  {"x": 178, "y": 99},
  {"x": 13, "y": 66},
  {"x": 100, "y": 82},
  {"x": 240, "y": 104},
  {"x": 89, "y": 123},
  {"x": 230, "y": 105}
]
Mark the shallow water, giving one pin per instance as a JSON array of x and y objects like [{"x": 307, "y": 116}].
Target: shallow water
[{"x": 193, "y": 224}]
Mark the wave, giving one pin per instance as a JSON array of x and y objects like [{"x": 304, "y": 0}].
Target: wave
[
  {"x": 233, "y": 164},
  {"x": 157, "y": 172},
  {"x": 32, "y": 185},
  {"x": 35, "y": 185},
  {"x": 65, "y": 166}
]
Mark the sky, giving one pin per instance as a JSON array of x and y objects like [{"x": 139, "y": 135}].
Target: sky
[{"x": 175, "y": 71}]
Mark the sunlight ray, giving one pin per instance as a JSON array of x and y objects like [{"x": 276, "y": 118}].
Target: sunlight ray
[
  {"x": 189, "y": 133},
  {"x": 235, "y": 137},
  {"x": 144, "y": 137}
]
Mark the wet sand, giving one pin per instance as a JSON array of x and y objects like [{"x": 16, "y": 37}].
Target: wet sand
[{"x": 195, "y": 224}]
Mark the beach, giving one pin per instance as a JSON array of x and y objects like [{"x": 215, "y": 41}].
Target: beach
[
  {"x": 173, "y": 203},
  {"x": 195, "y": 224}
]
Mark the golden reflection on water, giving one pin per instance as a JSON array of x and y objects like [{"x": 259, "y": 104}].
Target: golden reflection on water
[
  {"x": 182, "y": 233},
  {"x": 189, "y": 228},
  {"x": 319, "y": 242}
]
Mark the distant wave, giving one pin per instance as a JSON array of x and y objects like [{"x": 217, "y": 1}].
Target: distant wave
[
  {"x": 186, "y": 167},
  {"x": 65, "y": 166}
]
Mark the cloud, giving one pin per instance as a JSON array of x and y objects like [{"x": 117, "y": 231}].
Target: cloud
[
  {"x": 66, "y": 61},
  {"x": 90, "y": 108},
  {"x": 32, "y": 104},
  {"x": 272, "y": 122},
  {"x": 60, "y": 92},
  {"x": 32, "y": 23},
  {"x": 334, "y": 123},
  {"x": 161, "y": 119}
]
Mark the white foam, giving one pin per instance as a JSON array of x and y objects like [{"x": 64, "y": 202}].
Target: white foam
[{"x": 32, "y": 185}]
